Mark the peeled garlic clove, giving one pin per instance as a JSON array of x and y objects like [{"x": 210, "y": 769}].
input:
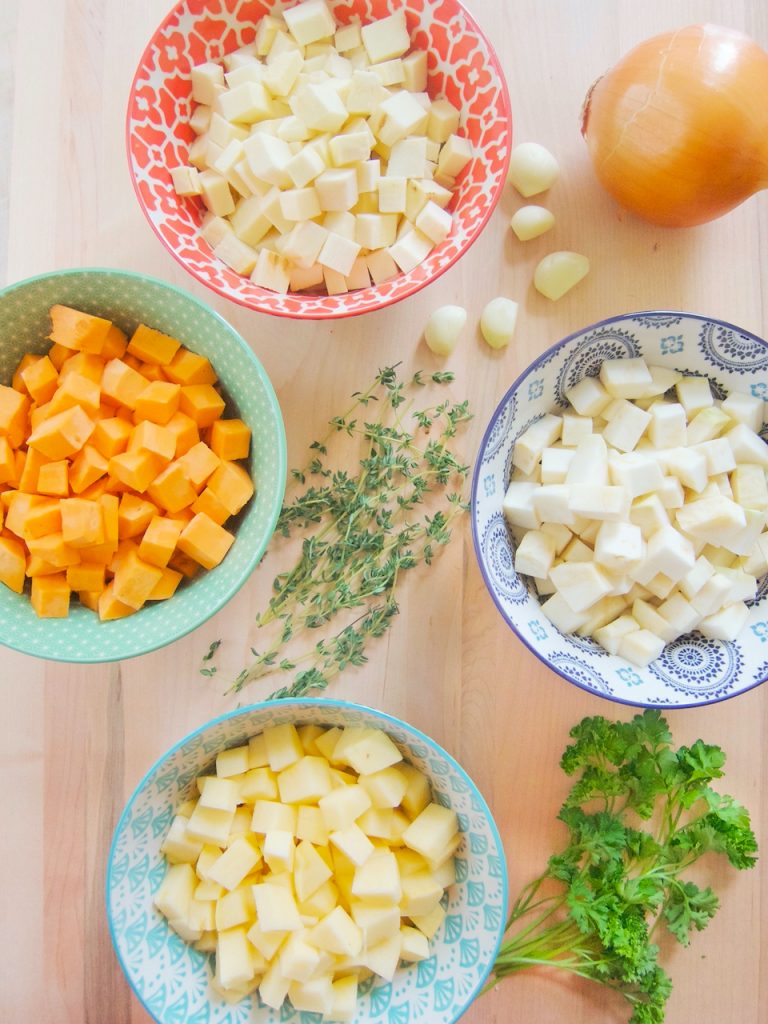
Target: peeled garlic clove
[
  {"x": 531, "y": 221},
  {"x": 498, "y": 321},
  {"x": 444, "y": 328},
  {"x": 532, "y": 169},
  {"x": 558, "y": 272}
]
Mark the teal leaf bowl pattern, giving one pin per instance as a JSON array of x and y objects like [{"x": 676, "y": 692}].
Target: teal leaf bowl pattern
[
  {"x": 692, "y": 670},
  {"x": 167, "y": 975},
  {"x": 129, "y": 299}
]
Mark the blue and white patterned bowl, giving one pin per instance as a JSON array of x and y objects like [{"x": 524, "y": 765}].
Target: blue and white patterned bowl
[
  {"x": 171, "y": 979},
  {"x": 692, "y": 670},
  {"x": 129, "y": 299}
]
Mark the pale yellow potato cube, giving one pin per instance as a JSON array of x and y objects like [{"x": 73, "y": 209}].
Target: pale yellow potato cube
[
  {"x": 257, "y": 752},
  {"x": 235, "y": 908},
  {"x": 421, "y": 894},
  {"x": 430, "y": 923},
  {"x": 267, "y": 943},
  {"x": 377, "y": 823},
  {"x": 269, "y": 815},
  {"x": 276, "y": 908},
  {"x": 386, "y": 787},
  {"x": 308, "y": 734},
  {"x": 237, "y": 861},
  {"x": 305, "y": 781},
  {"x": 283, "y": 746},
  {"x": 279, "y": 849},
  {"x": 344, "y": 998},
  {"x": 322, "y": 901},
  {"x": 376, "y": 922},
  {"x": 208, "y": 857},
  {"x": 176, "y": 892},
  {"x": 431, "y": 831},
  {"x": 310, "y": 825},
  {"x": 414, "y": 944},
  {"x": 210, "y": 824},
  {"x": 207, "y": 942},
  {"x": 446, "y": 853},
  {"x": 184, "y": 931},
  {"x": 234, "y": 961},
  {"x": 372, "y": 752},
  {"x": 310, "y": 871},
  {"x": 418, "y": 792},
  {"x": 219, "y": 794},
  {"x": 353, "y": 843},
  {"x": 178, "y": 847},
  {"x": 408, "y": 861},
  {"x": 274, "y": 986},
  {"x": 258, "y": 784},
  {"x": 342, "y": 778},
  {"x": 378, "y": 878},
  {"x": 337, "y": 933},
  {"x": 312, "y": 996},
  {"x": 241, "y": 823},
  {"x": 384, "y": 957},
  {"x": 326, "y": 744},
  {"x": 342, "y": 806},
  {"x": 209, "y": 891},
  {"x": 298, "y": 960},
  {"x": 445, "y": 873},
  {"x": 202, "y": 915}
]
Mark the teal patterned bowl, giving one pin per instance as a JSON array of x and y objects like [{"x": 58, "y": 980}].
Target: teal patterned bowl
[
  {"x": 128, "y": 299},
  {"x": 172, "y": 980}
]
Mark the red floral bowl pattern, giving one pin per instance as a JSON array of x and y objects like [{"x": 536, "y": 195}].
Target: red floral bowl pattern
[{"x": 462, "y": 67}]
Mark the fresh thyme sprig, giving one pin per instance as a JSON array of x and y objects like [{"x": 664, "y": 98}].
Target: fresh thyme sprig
[{"x": 362, "y": 530}]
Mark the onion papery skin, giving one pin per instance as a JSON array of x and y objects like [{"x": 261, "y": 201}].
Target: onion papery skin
[{"x": 678, "y": 130}]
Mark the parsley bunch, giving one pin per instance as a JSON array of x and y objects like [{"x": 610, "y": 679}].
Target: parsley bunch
[
  {"x": 639, "y": 815},
  {"x": 362, "y": 529}
]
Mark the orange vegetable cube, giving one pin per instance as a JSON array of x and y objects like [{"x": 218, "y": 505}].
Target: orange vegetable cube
[
  {"x": 110, "y": 607},
  {"x": 76, "y": 390},
  {"x": 43, "y": 518},
  {"x": 167, "y": 585},
  {"x": 110, "y": 510},
  {"x": 89, "y": 599},
  {"x": 95, "y": 490},
  {"x": 199, "y": 463},
  {"x": 84, "y": 364},
  {"x": 232, "y": 485},
  {"x": 52, "y": 548},
  {"x": 185, "y": 431},
  {"x": 50, "y": 596},
  {"x": 29, "y": 476},
  {"x": 208, "y": 502},
  {"x": 14, "y": 410},
  {"x": 134, "y": 516},
  {"x": 182, "y": 563},
  {"x": 124, "y": 548},
  {"x": 152, "y": 371},
  {"x": 172, "y": 489},
  {"x": 135, "y": 580},
  {"x": 37, "y": 414},
  {"x": 58, "y": 355},
  {"x": 132, "y": 361},
  {"x": 41, "y": 379},
  {"x": 205, "y": 541},
  {"x": 88, "y": 467},
  {"x": 189, "y": 368},
  {"x": 151, "y": 437},
  {"x": 63, "y": 434},
  {"x": 134, "y": 469},
  {"x": 230, "y": 439},
  {"x": 158, "y": 402},
  {"x": 39, "y": 567},
  {"x": 110, "y": 436},
  {"x": 53, "y": 478},
  {"x": 12, "y": 563},
  {"x": 7, "y": 462},
  {"x": 77, "y": 330},
  {"x": 159, "y": 540},
  {"x": 183, "y": 516},
  {"x": 86, "y": 576},
  {"x": 82, "y": 522},
  {"x": 17, "y": 381},
  {"x": 153, "y": 346},
  {"x": 121, "y": 384},
  {"x": 19, "y": 504},
  {"x": 115, "y": 344},
  {"x": 202, "y": 403}
]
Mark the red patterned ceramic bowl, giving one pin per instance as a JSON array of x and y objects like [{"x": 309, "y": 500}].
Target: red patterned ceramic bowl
[{"x": 462, "y": 67}]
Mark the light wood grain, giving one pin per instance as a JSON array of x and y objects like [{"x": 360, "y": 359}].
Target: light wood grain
[{"x": 74, "y": 741}]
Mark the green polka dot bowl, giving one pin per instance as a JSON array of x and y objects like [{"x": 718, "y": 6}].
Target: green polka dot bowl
[
  {"x": 129, "y": 299},
  {"x": 172, "y": 980}
]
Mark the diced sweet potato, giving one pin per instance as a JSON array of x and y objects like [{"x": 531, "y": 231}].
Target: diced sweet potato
[
  {"x": 19, "y": 504},
  {"x": 134, "y": 469},
  {"x": 199, "y": 462},
  {"x": 86, "y": 576},
  {"x": 110, "y": 607},
  {"x": 53, "y": 478},
  {"x": 202, "y": 403},
  {"x": 82, "y": 522},
  {"x": 185, "y": 431},
  {"x": 52, "y": 548},
  {"x": 232, "y": 486},
  {"x": 42, "y": 519},
  {"x": 158, "y": 402},
  {"x": 172, "y": 489},
  {"x": 151, "y": 346},
  {"x": 75, "y": 389},
  {"x": 134, "y": 516},
  {"x": 208, "y": 502},
  {"x": 121, "y": 384},
  {"x": 40, "y": 379},
  {"x": 115, "y": 344},
  {"x": 33, "y": 463},
  {"x": 154, "y": 438},
  {"x": 50, "y": 596},
  {"x": 7, "y": 462},
  {"x": 87, "y": 467},
  {"x": 110, "y": 510},
  {"x": 167, "y": 585},
  {"x": 17, "y": 381},
  {"x": 230, "y": 439},
  {"x": 111, "y": 435},
  {"x": 14, "y": 410},
  {"x": 12, "y": 563},
  {"x": 84, "y": 364},
  {"x": 62, "y": 435},
  {"x": 205, "y": 541},
  {"x": 135, "y": 580},
  {"x": 190, "y": 368},
  {"x": 37, "y": 566},
  {"x": 59, "y": 354},
  {"x": 159, "y": 540},
  {"x": 77, "y": 330}
]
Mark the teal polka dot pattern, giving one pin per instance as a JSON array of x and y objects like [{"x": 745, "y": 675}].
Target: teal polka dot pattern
[
  {"x": 172, "y": 980},
  {"x": 129, "y": 299}
]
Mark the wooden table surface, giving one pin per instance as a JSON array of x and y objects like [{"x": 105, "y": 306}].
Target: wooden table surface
[{"x": 74, "y": 740}]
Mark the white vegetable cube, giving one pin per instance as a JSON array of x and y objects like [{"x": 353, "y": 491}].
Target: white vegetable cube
[
  {"x": 234, "y": 908},
  {"x": 392, "y": 194},
  {"x": 378, "y": 879},
  {"x": 365, "y": 92},
  {"x": 303, "y": 278},
  {"x": 342, "y": 806},
  {"x": 337, "y": 188},
  {"x": 747, "y": 446},
  {"x": 640, "y": 647},
  {"x": 305, "y": 781},
  {"x": 237, "y": 861},
  {"x": 371, "y": 751},
  {"x": 670, "y": 492},
  {"x": 551, "y": 504},
  {"x": 381, "y": 266},
  {"x": 386, "y": 38},
  {"x": 619, "y": 546},
  {"x": 712, "y": 595},
  {"x": 577, "y": 551},
  {"x": 274, "y": 986},
  {"x": 561, "y": 534},
  {"x": 588, "y": 397},
  {"x": 376, "y": 921},
  {"x": 236, "y": 254},
  {"x": 270, "y": 815},
  {"x": 219, "y": 794},
  {"x": 186, "y": 181},
  {"x": 304, "y": 242},
  {"x": 278, "y": 849},
  {"x": 625, "y": 378},
  {"x": 718, "y": 455},
  {"x": 337, "y": 933},
  {"x": 310, "y": 871},
  {"x": 694, "y": 394},
  {"x": 414, "y": 944},
  {"x": 348, "y": 37},
  {"x": 178, "y": 847},
  {"x": 281, "y": 74},
  {"x": 298, "y": 960},
  {"x": 312, "y": 996},
  {"x": 410, "y": 250},
  {"x": 575, "y": 429},
  {"x": 343, "y": 998},
  {"x": 383, "y": 958},
  {"x": 300, "y": 204},
  {"x": 518, "y": 505},
  {"x": 431, "y": 831},
  {"x": 744, "y": 409},
  {"x": 627, "y": 426},
  {"x": 322, "y": 901},
  {"x": 443, "y": 121},
  {"x": 415, "y": 70},
  {"x": 353, "y": 843},
  {"x": 258, "y": 784},
  {"x": 581, "y": 584},
  {"x": 248, "y": 221},
  {"x": 455, "y": 155},
  {"x": 743, "y": 585},
  {"x": 667, "y": 551},
  {"x": 637, "y": 472},
  {"x": 430, "y": 924},
  {"x": 305, "y": 166},
  {"x": 749, "y": 486},
  {"x": 555, "y": 463},
  {"x": 207, "y": 80},
  {"x": 667, "y": 428},
  {"x": 375, "y": 230},
  {"x": 589, "y": 463},
  {"x": 338, "y": 253},
  {"x": 176, "y": 891},
  {"x": 216, "y": 193},
  {"x": 421, "y": 893},
  {"x": 319, "y": 106},
  {"x": 418, "y": 793},
  {"x": 649, "y": 514},
  {"x": 609, "y": 636},
  {"x": 283, "y": 745},
  {"x": 756, "y": 561},
  {"x": 276, "y": 909},
  {"x": 335, "y": 283},
  {"x": 649, "y": 618},
  {"x": 725, "y": 624},
  {"x": 309, "y": 21},
  {"x": 246, "y": 103},
  {"x": 408, "y": 157},
  {"x": 712, "y": 518},
  {"x": 402, "y": 116},
  {"x": 268, "y": 158},
  {"x": 350, "y": 148},
  {"x": 599, "y": 502},
  {"x": 434, "y": 222},
  {"x": 535, "y": 554},
  {"x": 234, "y": 958},
  {"x": 532, "y": 442},
  {"x": 706, "y": 424}
]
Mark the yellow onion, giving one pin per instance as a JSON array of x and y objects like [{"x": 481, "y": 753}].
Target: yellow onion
[{"x": 678, "y": 129}]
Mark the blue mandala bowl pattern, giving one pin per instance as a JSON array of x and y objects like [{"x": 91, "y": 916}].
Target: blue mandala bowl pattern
[
  {"x": 172, "y": 980},
  {"x": 693, "y": 671}
]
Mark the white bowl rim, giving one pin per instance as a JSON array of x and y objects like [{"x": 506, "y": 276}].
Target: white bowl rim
[
  {"x": 497, "y": 412},
  {"x": 299, "y": 703}
]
